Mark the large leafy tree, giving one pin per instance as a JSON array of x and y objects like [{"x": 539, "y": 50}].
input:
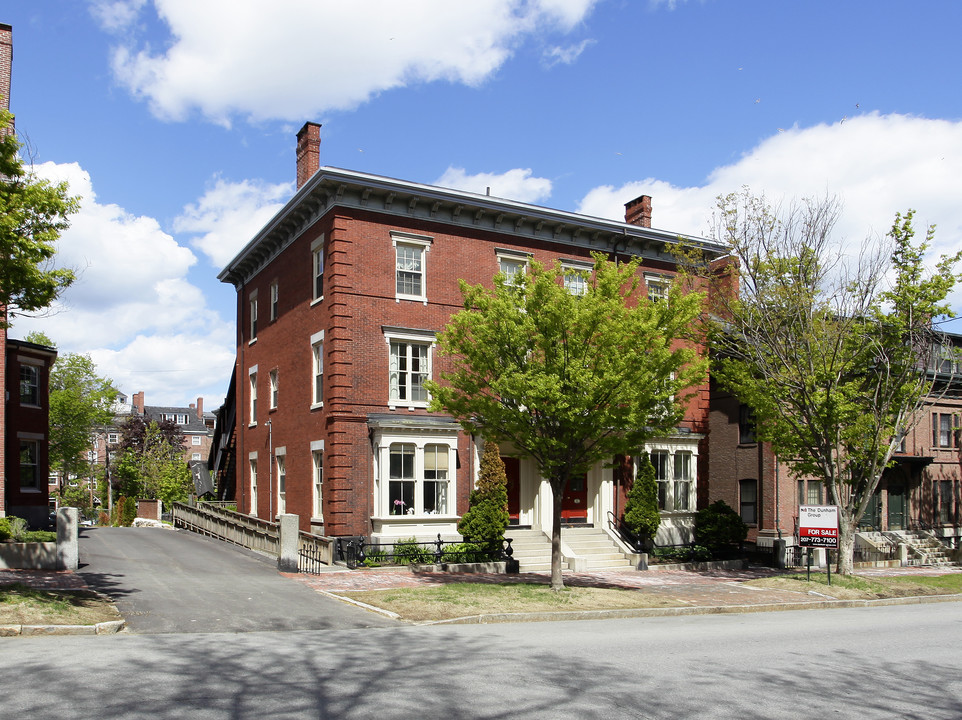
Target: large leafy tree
[
  {"x": 33, "y": 214},
  {"x": 151, "y": 463},
  {"x": 831, "y": 351},
  {"x": 569, "y": 379},
  {"x": 81, "y": 403}
]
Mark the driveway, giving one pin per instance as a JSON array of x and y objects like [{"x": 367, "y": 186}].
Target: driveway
[{"x": 167, "y": 581}]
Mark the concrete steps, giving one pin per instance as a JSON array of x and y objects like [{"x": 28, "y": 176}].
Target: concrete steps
[{"x": 532, "y": 549}]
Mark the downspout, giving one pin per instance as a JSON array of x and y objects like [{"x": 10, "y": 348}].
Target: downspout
[{"x": 270, "y": 470}]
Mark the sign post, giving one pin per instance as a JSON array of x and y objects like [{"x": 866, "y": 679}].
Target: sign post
[{"x": 818, "y": 527}]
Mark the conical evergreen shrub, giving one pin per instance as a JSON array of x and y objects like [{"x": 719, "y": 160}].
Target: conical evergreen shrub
[
  {"x": 486, "y": 519},
  {"x": 641, "y": 509}
]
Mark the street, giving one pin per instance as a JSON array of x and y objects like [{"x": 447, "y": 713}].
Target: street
[{"x": 883, "y": 662}]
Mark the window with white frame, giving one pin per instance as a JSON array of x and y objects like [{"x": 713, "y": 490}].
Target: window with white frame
[
  {"x": 275, "y": 301},
  {"x": 113, "y": 438},
  {"x": 512, "y": 265},
  {"x": 409, "y": 366},
  {"x": 252, "y": 460},
  {"x": 576, "y": 277},
  {"x": 416, "y": 477},
  {"x": 253, "y": 316},
  {"x": 317, "y": 369},
  {"x": 253, "y": 395},
  {"x": 409, "y": 255},
  {"x": 317, "y": 471},
  {"x": 814, "y": 493},
  {"x": 281, "y": 459},
  {"x": 317, "y": 265},
  {"x": 274, "y": 392},
  {"x": 195, "y": 456},
  {"x": 195, "y": 440},
  {"x": 29, "y": 385},
  {"x": 944, "y": 427},
  {"x": 675, "y": 476},
  {"x": 657, "y": 286},
  {"x": 29, "y": 463}
]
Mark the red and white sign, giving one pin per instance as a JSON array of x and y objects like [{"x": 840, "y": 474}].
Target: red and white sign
[{"x": 818, "y": 526}]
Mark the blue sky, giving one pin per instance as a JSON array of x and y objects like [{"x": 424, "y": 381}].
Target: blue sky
[{"x": 175, "y": 121}]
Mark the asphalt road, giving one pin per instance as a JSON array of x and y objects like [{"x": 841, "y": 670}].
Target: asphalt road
[
  {"x": 169, "y": 581},
  {"x": 883, "y": 662}
]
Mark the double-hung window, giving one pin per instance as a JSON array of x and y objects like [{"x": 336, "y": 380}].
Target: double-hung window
[
  {"x": 576, "y": 277},
  {"x": 748, "y": 501},
  {"x": 410, "y": 253},
  {"x": 317, "y": 269},
  {"x": 274, "y": 388},
  {"x": 252, "y": 462},
  {"x": 281, "y": 459},
  {"x": 195, "y": 440},
  {"x": 253, "y": 316},
  {"x": 943, "y": 430},
  {"x": 674, "y": 476},
  {"x": 252, "y": 375},
  {"x": 29, "y": 385},
  {"x": 746, "y": 424},
  {"x": 401, "y": 481},
  {"x": 275, "y": 301},
  {"x": 657, "y": 286},
  {"x": 29, "y": 463},
  {"x": 416, "y": 473},
  {"x": 513, "y": 265},
  {"x": 317, "y": 471},
  {"x": 317, "y": 369},
  {"x": 409, "y": 366}
]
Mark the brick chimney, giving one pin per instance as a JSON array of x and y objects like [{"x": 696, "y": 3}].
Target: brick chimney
[
  {"x": 6, "y": 71},
  {"x": 138, "y": 402},
  {"x": 200, "y": 408},
  {"x": 638, "y": 211},
  {"x": 308, "y": 152}
]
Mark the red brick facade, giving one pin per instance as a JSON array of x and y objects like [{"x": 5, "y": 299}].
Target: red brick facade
[{"x": 359, "y": 221}]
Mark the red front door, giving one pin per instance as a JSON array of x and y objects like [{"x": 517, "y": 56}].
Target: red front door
[
  {"x": 574, "y": 504},
  {"x": 512, "y": 469}
]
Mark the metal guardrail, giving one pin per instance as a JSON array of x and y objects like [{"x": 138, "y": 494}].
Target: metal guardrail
[
  {"x": 412, "y": 552},
  {"x": 244, "y": 530},
  {"x": 314, "y": 552}
]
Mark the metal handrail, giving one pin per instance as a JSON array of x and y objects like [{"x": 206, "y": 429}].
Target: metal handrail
[{"x": 412, "y": 552}]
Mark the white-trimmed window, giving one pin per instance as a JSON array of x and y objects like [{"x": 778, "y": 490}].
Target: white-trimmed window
[
  {"x": 113, "y": 438},
  {"x": 195, "y": 456},
  {"x": 576, "y": 276},
  {"x": 657, "y": 286},
  {"x": 317, "y": 472},
  {"x": 416, "y": 477},
  {"x": 253, "y": 316},
  {"x": 317, "y": 369},
  {"x": 317, "y": 269},
  {"x": 274, "y": 390},
  {"x": 512, "y": 264},
  {"x": 275, "y": 301},
  {"x": 29, "y": 385},
  {"x": 252, "y": 375},
  {"x": 252, "y": 462},
  {"x": 281, "y": 459},
  {"x": 409, "y": 366},
  {"x": 195, "y": 440},
  {"x": 410, "y": 253},
  {"x": 674, "y": 463}
]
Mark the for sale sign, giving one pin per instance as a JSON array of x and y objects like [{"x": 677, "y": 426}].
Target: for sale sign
[{"x": 818, "y": 526}]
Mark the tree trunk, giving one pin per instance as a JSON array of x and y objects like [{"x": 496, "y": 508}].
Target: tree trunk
[
  {"x": 557, "y": 581},
  {"x": 846, "y": 546}
]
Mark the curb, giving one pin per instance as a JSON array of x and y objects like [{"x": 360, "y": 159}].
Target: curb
[
  {"x": 680, "y": 611},
  {"x": 111, "y": 627}
]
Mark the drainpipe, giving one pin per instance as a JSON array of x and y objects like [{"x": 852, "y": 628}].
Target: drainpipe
[{"x": 270, "y": 470}]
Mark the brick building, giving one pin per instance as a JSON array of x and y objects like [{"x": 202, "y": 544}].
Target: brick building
[
  {"x": 920, "y": 491},
  {"x": 340, "y": 298}
]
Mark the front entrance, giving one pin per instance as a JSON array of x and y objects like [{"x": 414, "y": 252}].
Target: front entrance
[
  {"x": 574, "y": 503},
  {"x": 872, "y": 519},
  {"x": 512, "y": 470},
  {"x": 896, "y": 509}
]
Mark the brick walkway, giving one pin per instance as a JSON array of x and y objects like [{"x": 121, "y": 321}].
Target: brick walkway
[{"x": 44, "y": 579}]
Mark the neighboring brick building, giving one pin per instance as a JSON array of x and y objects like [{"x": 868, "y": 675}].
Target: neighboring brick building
[
  {"x": 339, "y": 301},
  {"x": 920, "y": 491},
  {"x": 27, "y": 423}
]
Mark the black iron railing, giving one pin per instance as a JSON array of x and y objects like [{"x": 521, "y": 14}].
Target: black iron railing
[{"x": 358, "y": 552}]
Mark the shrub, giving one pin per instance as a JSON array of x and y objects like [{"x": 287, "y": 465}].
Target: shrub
[
  {"x": 719, "y": 528},
  {"x": 5, "y": 533},
  {"x": 409, "y": 552},
  {"x": 487, "y": 514},
  {"x": 38, "y": 536},
  {"x": 641, "y": 508},
  {"x": 14, "y": 528}
]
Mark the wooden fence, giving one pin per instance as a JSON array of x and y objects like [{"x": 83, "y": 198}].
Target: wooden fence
[{"x": 244, "y": 530}]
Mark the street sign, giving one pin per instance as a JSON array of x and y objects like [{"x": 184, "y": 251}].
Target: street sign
[{"x": 818, "y": 526}]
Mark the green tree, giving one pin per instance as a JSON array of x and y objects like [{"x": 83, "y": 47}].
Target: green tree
[
  {"x": 81, "y": 402},
  {"x": 485, "y": 521},
  {"x": 152, "y": 467},
  {"x": 569, "y": 379},
  {"x": 719, "y": 528},
  {"x": 641, "y": 507},
  {"x": 33, "y": 214},
  {"x": 831, "y": 352}
]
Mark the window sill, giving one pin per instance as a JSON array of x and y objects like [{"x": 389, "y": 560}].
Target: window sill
[
  {"x": 251, "y": 342},
  {"x": 252, "y": 425},
  {"x": 315, "y": 301},
  {"x": 407, "y": 406},
  {"x": 317, "y": 406},
  {"x": 30, "y": 491},
  {"x": 411, "y": 298}
]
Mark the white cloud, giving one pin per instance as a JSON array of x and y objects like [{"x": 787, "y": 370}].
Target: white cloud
[
  {"x": 334, "y": 55},
  {"x": 132, "y": 308},
  {"x": 230, "y": 214},
  {"x": 876, "y": 164},
  {"x": 517, "y": 184},
  {"x": 565, "y": 55}
]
